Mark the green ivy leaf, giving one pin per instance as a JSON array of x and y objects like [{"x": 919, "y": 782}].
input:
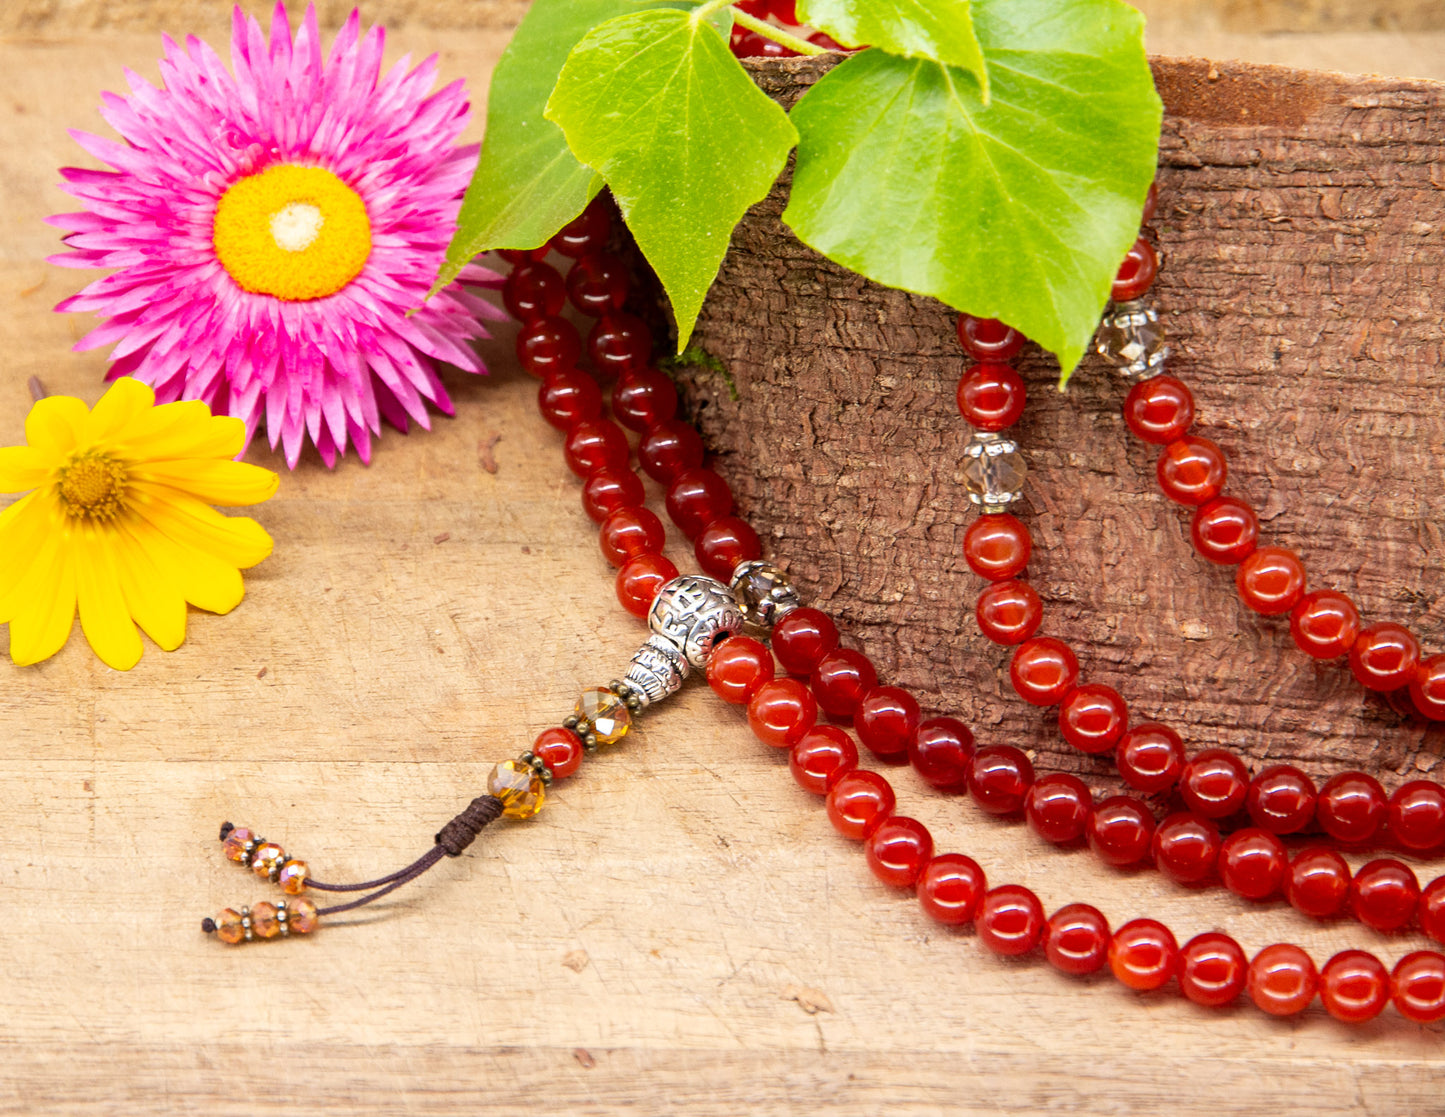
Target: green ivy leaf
[
  {"x": 656, "y": 103},
  {"x": 1019, "y": 210},
  {"x": 939, "y": 30}
]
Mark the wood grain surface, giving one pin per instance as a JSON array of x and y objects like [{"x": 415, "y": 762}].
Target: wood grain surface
[{"x": 680, "y": 931}]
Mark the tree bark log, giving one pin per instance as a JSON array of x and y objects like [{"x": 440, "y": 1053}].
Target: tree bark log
[{"x": 1300, "y": 220}]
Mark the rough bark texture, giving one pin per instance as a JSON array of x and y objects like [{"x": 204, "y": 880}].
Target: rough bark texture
[{"x": 1300, "y": 218}]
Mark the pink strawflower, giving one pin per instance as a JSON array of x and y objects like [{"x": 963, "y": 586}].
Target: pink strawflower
[{"x": 276, "y": 234}]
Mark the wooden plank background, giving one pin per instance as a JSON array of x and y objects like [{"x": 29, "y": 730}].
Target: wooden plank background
[{"x": 679, "y": 932}]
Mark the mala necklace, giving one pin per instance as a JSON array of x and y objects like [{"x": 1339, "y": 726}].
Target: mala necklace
[{"x": 696, "y": 622}]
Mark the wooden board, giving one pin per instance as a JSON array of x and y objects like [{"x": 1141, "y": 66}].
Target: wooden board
[{"x": 680, "y": 932}]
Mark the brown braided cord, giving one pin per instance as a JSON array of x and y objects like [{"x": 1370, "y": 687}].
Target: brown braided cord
[{"x": 462, "y": 831}]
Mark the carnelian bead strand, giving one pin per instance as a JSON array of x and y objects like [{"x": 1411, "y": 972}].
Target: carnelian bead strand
[
  {"x": 1212, "y": 969},
  {"x": 898, "y": 850},
  {"x": 1282, "y": 980}
]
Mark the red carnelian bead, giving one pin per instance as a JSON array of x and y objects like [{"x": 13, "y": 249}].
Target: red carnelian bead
[
  {"x": 941, "y": 751},
  {"x": 548, "y": 345},
  {"x": 1225, "y": 530},
  {"x": 1151, "y": 203},
  {"x": 1214, "y": 783},
  {"x": 698, "y": 498},
  {"x": 1253, "y": 863},
  {"x": 951, "y": 887},
  {"x": 724, "y": 544},
  {"x": 1318, "y": 883},
  {"x": 1143, "y": 954},
  {"x": 1324, "y": 624},
  {"x": 897, "y": 851},
  {"x": 569, "y": 397},
  {"x": 1186, "y": 848},
  {"x": 1385, "y": 656},
  {"x": 585, "y": 233},
  {"x": 886, "y": 720},
  {"x": 859, "y": 802},
  {"x": 822, "y": 756},
  {"x": 1043, "y": 670},
  {"x": 619, "y": 342},
  {"x": 1159, "y": 410},
  {"x": 639, "y": 581},
  {"x": 802, "y": 638},
  {"x": 593, "y": 444},
  {"x": 1418, "y": 986},
  {"x": 560, "y": 749},
  {"x": 737, "y": 667},
  {"x": 1430, "y": 911},
  {"x": 999, "y": 778},
  {"x": 609, "y": 488},
  {"x": 1191, "y": 470},
  {"x": 1009, "y": 613},
  {"x": 1416, "y": 815},
  {"x": 1354, "y": 986},
  {"x": 630, "y": 532},
  {"x": 597, "y": 284},
  {"x": 524, "y": 255},
  {"x": 1093, "y": 717},
  {"x": 1351, "y": 807},
  {"x": 1428, "y": 689},
  {"x": 1383, "y": 894},
  {"x": 668, "y": 449},
  {"x": 643, "y": 398},
  {"x": 1281, "y": 799},
  {"x": 1120, "y": 830},
  {"x": 781, "y": 711},
  {"x": 1282, "y": 980},
  {"x": 1010, "y": 921},
  {"x": 1058, "y": 808},
  {"x": 1150, "y": 757},
  {"x": 1212, "y": 969},
  {"x": 1137, "y": 273},
  {"x": 1076, "y": 939},
  {"x": 997, "y": 546},
  {"x": 841, "y": 679},
  {"x": 988, "y": 339},
  {"x": 1271, "y": 580},
  {"x": 991, "y": 396},
  {"x": 534, "y": 291}
]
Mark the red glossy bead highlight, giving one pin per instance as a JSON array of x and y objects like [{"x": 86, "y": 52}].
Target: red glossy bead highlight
[
  {"x": 951, "y": 887},
  {"x": 619, "y": 342},
  {"x": 696, "y": 499},
  {"x": 1281, "y": 799},
  {"x": 1150, "y": 758},
  {"x": 643, "y": 398},
  {"x": 1416, "y": 815},
  {"x": 1351, "y": 807},
  {"x": 988, "y": 339},
  {"x": 841, "y": 679},
  {"x": 1214, "y": 783},
  {"x": 738, "y": 667},
  {"x": 585, "y": 233},
  {"x": 1385, "y": 656},
  {"x": 802, "y": 638},
  {"x": 639, "y": 581},
  {"x": 1282, "y": 980},
  {"x": 548, "y": 345},
  {"x": 1271, "y": 580},
  {"x": 991, "y": 396},
  {"x": 1354, "y": 986},
  {"x": 534, "y": 291},
  {"x": 1186, "y": 848},
  {"x": 1430, "y": 911},
  {"x": 859, "y": 802},
  {"x": 781, "y": 711},
  {"x": 1418, "y": 986},
  {"x": 1009, "y": 612},
  {"x": 997, "y": 546},
  {"x": 1191, "y": 470},
  {"x": 941, "y": 752},
  {"x": 897, "y": 851},
  {"x": 597, "y": 284},
  {"x": 569, "y": 397},
  {"x": 1010, "y": 921},
  {"x": 1428, "y": 689},
  {"x": 1159, "y": 410},
  {"x": 1225, "y": 530},
  {"x": 560, "y": 749},
  {"x": 668, "y": 449},
  {"x": 1043, "y": 670},
  {"x": 1383, "y": 894},
  {"x": 1137, "y": 273},
  {"x": 886, "y": 720},
  {"x": 999, "y": 778},
  {"x": 1212, "y": 969},
  {"x": 1318, "y": 883},
  {"x": 1120, "y": 830},
  {"x": 629, "y": 532},
  {"x": 609, "y": 488},
  {"x": 1143, "y": 954},
  {"x": 822, "y": 756},
  {"x": 1076, "y": 939},
  {"x": 1253, "y": 863},
  {"x": 595, "y": 443},
  {"x": 1058, "y": 808},
  {"x": 1324, "y": 624},
  {"x": 725, "y": 543},
  {"x": 1093, "y": 718}
]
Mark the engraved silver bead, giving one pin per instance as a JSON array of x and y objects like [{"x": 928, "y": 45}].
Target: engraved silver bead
[
  {"x": 993, "y": 471},
  {"x": 657, "y": 670},
  {"x": 1131, "y": 338},
  {"x": 695, "y": 613},
  {"x": 763, "y": 593}
]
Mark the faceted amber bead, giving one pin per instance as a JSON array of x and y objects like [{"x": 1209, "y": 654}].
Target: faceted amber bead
[
  {"x": 235, "y": 844},
  {"x": 264, "y": 923},
  {"x": 519, "y": 787},
  {"x": 229, "y": 928},
  {"x": 292, "y": 877},
  {"x": 268, "y": 856},
  {"x": 606, "y": 713},
  {"x": 302, "y": 917}
]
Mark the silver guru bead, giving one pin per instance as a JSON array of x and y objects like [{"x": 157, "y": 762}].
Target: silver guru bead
[{"x": 695, "y": 614}]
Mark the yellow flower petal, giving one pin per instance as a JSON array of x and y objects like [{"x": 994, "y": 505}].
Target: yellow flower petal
[
  {"x": 46, "y": 607},
  {"x": 154, "y": 601},
  {"x": 237, "y": 540},
  {"x": 55, "y": 425},
  {"x": 126, "y": 400},
  {"x": 103, "y": 616},
  {"x": 186, "y": 429},
  {"x": 24, "y": 528},
  {"x": 21, "y": 468},
  {"x": 227, "y": 483},
  {"x": 202, "y": 579}
]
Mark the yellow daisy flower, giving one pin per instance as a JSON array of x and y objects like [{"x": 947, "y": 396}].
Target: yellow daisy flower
[{"x": 120, "y": 522}]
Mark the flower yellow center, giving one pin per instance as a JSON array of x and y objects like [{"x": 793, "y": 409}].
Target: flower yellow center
[
  {"x": 92, "y": 486},
  {"x": 293, "y": 232}
]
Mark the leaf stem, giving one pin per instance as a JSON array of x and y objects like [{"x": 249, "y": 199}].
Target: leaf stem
[
  {"x": 701, "y": 12},
  {"x": 777, "y": 34}
]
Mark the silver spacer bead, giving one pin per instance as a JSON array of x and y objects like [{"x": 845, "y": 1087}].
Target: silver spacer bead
[
  {"x": 1131, "y": 338},
  {"x": 763, "y": 593},
  {"x": 993, "y": 471},
  {"x": 695, "y": 614},
  {"x": 282, "y": 919},
  {"x": 657, "y": 670}
]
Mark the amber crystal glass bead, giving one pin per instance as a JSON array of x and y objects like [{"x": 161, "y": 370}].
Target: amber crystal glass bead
[
  {"x": 302, "y": 916},
  {"x": 229, "y": 928},
  {"x": 1191, "y": 470},
  {"x": 1143, "y": 954},
  {"x": 1010, "y": 921},
  {"x": 264, "y": 924},
  {"x": 1271, "y": 580},
  {"x": 1282, "y": 980},
  {"x": 267, "y": 858},
  {"x": 1076, "y": 939},
  {"x": 951, "y": 887},
  {"x": 1418, "y": 986},
  {"x": 520, "y": 788},
  {"x": 1354, "y": 986},
  {"x": 236, "y": 842},
  {"x": 606, "y": 713},
  {"x": 1385, "y": 656},
  {"x": 292, "y": 877}
]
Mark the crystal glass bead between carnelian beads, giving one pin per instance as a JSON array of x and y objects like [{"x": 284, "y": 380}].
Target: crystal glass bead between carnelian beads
[
  {"x": 229, "y": 927},
  {"x": 264, "y": 924},
  {"x": 606, "y": 713},
  {"x": 519, "y": 787},
  {"x": 302, "y": 916},
  {"x": 1282, "y": 980},
  {"x": 292, "y": 877}
]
